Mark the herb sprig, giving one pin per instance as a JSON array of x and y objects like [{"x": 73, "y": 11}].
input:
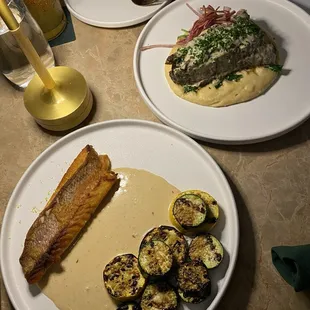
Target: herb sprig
[
  {"x": 275, "y": 68},
  {"x": 230, "y": 77},
  {"x": 189, "y": 88}
]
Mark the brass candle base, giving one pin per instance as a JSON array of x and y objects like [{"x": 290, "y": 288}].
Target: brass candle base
[{"x": 63, "y": 107}]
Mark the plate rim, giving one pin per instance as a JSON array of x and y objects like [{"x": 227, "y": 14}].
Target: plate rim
[
  {"x": 123, "y": 122},
  {"x": 122, "y": 24},
  {"x": 291, "y": 6}
]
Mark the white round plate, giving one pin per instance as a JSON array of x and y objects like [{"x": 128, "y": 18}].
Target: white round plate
[
  {"x": 112, "y": 14},
  {"x": 283, "y": 107},
  {"x": 137, "y": 144}
]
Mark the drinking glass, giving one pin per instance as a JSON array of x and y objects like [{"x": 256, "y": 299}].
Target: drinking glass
[
  {"x": 49, "y": 15},
  {"x": 13, "y": 63}
]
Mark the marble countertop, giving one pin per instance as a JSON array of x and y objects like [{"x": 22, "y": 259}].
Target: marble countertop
[{"x": 270, "y": 181}]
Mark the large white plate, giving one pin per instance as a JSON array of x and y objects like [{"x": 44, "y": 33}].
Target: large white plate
[
  {"x": 111, "y": 14},
  {"x": 282, "y": 108},
  {"x": 138, "y": 144}
]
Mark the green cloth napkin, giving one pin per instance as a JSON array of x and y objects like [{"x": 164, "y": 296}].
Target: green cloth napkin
[{"x": 293, "y": 264}]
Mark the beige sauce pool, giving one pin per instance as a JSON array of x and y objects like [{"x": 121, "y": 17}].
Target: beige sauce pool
[{"x": 140, "y": 203}]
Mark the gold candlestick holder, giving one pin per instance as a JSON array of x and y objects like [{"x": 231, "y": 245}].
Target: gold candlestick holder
[{"x": 58, "y": 98}]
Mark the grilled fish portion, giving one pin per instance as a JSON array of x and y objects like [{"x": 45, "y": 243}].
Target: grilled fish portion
[
  {"x": 222, "y": 50},
  {"x": 82, "y": 188}
]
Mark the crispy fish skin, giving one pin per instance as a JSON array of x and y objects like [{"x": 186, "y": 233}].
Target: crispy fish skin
[{"x": 87, "y": 181}]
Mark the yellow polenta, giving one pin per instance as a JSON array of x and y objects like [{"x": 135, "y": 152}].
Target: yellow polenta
[{"x": 252, "y": 84}]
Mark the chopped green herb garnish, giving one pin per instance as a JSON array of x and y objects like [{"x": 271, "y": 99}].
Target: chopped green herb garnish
[
  {"x": 189, "y": 88},
  {"x": 180, "y": 54},
  {"x": 221, "y": 39},
  {"x": 230, "y": 77},
  {"x": 275, "y": 68},
  {"x": 234, "y": 77}
]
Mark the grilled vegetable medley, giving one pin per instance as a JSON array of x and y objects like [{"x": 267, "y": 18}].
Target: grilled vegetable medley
[{"x": 145, "y": 283}]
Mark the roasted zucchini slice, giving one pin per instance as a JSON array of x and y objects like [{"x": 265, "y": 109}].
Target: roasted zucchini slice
[
  {"x": 129, "y": 306},
  {"x": 189, "y": 210},
  {"x": 155, "y": 258},
  {"x": 211, "y": 217},
  {"x": 159, "y": 296},
  {"x": 170, "y": 236},
  {"x": 193, "y": 277},
  {"x": 193, "y": 282},
  {"x": 123, "y": 278},
  {"x": 207, "y": 249}
]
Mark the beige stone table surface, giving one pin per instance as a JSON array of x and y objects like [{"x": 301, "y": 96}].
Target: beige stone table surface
[{"x": 271, "y": 180}]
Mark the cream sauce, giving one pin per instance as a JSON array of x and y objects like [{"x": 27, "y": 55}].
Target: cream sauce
[
  {"x": 140, "y": 203},
  {"x": 253, "y": 83}
]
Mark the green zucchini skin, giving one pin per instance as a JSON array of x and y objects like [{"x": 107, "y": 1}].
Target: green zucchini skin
[
  {"x": 123, "y": 278},
  {"x": 129, "y": 306},
  {"x": 193, "y": 282},
  {"x": 159, "y": 296},
  {"x": 189, "y": 210},
  {"x": 155, "y": 258},
  {"x": 173, "y": 238},
  {"x": 207, "y": 249}
]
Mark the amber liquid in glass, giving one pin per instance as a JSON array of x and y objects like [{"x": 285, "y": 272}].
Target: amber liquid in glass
[{"x": 49, "y": 15}]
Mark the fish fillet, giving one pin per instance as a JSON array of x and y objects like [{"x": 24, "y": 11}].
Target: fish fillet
[{"x": 87, "y": 181}]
